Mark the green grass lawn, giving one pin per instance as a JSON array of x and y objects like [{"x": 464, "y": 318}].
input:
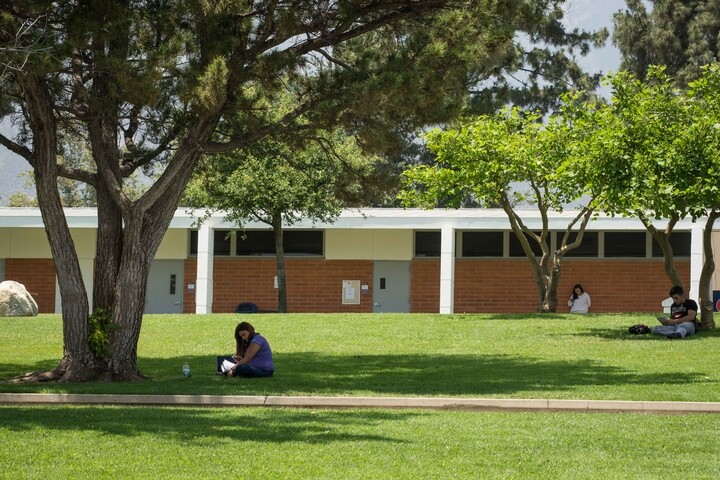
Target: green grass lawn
[
  {"x": 532, "y": 356},
  {"x": 262, "y": 443},
  {"x": 503, "y": 356}
]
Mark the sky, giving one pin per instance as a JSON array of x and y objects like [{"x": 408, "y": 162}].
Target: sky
[{"x": 583, "y": 14}]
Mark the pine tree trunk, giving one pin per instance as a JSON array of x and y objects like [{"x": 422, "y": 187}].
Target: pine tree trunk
[
  {"x": 129, "y": 293},
  {"x": 129, "y": 235},
  {"x": 78, "y": 362}
]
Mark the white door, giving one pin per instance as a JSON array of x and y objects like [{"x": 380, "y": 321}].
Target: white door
[
  {"x": 391, "y": 286},
  {"x": 165, "y": 287}
]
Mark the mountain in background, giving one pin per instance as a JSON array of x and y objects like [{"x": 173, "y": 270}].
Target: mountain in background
[
  {"x": 11, "y": 168},
  {"x": 583, "y": 14}
]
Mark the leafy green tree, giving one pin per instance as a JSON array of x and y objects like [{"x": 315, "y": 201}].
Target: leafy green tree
[
  {"x": 489, "y": 157},
  {"x": 279, "y": 184},
  {"x": 655, "y": 153},
  {"x": 683, "y": 35},
  {"x": 158, "y": 83},
  {"x": 702, "y": 145},
  {"x": 22, "y": 200}
]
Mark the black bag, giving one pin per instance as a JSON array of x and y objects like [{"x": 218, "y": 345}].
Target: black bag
[{"x": 639, "y": 329}]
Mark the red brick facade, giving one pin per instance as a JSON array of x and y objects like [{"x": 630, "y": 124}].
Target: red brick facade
[
  {"x": 508, "y": 285},
  {"x": 313, "y": 284},
  {"x": 481, "y": 285},
  {"x": 38, "y": 276},
  {"x": 189, "y": 278}
]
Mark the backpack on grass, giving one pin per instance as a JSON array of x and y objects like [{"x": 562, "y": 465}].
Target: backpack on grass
[{"x": 639, "y": 329}]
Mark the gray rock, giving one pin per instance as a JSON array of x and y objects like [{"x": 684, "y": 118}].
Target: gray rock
[{"x": 15, "y": 301}]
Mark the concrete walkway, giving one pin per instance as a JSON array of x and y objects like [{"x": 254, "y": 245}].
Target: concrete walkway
[{"x": 495, "y": 404}]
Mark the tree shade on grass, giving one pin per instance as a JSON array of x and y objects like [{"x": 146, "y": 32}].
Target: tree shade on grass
[
  {"x": 589, "y": 357},
  {"x": 142, "y": 442}
]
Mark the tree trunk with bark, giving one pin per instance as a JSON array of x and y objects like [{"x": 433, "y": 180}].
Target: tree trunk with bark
[
  {"x": 128, "y": 237},
  {"x": 707, "y": 317},
  {"x": 280, "y": 258},
  {"x": 78, "y": 361},
  {"x": 663, "y": 239}
]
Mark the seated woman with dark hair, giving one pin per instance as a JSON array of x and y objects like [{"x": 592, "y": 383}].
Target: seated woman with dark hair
[
  {"x": 579, "y": 301},
  {"x": 253, "y": 356}
]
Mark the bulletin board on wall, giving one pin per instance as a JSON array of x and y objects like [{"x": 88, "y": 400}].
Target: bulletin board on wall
[{"x": 351, "y": 292}]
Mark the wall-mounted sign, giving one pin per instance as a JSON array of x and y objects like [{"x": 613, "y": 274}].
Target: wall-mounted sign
[{"x": 351, "y": 292}]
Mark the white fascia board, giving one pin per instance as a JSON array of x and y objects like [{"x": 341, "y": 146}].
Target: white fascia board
[
  {"x": 31, "y": 217},
  {"x": 369, "y": 218}
]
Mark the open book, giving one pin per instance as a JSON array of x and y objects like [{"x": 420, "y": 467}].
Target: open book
[
  {"x": 226, "y": 365},
  {"x": 662, "y": 319}
]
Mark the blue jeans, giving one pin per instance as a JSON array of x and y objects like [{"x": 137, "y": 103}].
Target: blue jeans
[
  {"x": 685, "y": 329},
  {"x": 250, "y": 371},
  {"x": 244, "y": 370}
]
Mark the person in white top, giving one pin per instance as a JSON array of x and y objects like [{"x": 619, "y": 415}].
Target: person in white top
[{"x": 579, "y": 301}]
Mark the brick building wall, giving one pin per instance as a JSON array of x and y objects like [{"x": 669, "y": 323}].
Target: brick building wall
[
  {"x": 481, "y": 285},
  {"x": 425, "y": 285},
  {"x": 38, "y": 276},
  {"x": 313, "y": 284},
  {"x": 189, "y": 278},
  {"x": 508, "y": 285}
]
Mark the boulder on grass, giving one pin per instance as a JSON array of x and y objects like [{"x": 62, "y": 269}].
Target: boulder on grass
[{"x": 16, "y": 301}]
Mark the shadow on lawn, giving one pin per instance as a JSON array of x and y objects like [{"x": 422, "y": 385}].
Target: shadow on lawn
[
  {"x": 622, "y": 334},
  {"x": 450, "y": 375},
  {"x": 316, "y": 373},
  {"x": 199, "y": 426}
]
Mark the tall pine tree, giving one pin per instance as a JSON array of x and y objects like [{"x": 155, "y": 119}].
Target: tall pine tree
[{"x": 683, "y": 35}]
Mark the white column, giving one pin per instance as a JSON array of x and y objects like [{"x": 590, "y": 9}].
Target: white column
[
  {"x": 447, "y": 270},
  {"x": 204, "y": 280},
  {"x": 697, "y": 259}
]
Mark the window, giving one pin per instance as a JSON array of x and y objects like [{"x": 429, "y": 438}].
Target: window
[
  {"x": 222, "y": 242},
  {"x": 295, "y": 242},
  {"x": 588, "y": 248},
  {"x": 516, "y": 249},
  {"x": 255, "y": 242},
  {"x": 625, "y": 244},
  {"x": 193, "y": 242},
  {"x": 482, "y": 244},
  {"x": 221, "y": 239},
  {"x": 427, "y": 244},
  {"x": 680, "y": 243},
  {"x": 262, "y": 242},
  {"x": 303, "y": 242}
]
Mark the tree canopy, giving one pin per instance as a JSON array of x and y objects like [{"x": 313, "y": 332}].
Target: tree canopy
[
  {"x": 652, "y": 152},
  {"x": 494, "y": 159},
  {"x": 656, "y": 153},
  {"x": 683, "y": 35},
  {"x": 278, "y": 184},
  {"x": 155, "y": 84}
]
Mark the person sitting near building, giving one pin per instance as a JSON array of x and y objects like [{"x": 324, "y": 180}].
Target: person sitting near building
[
  {"x": 579, "y": 301},
  {"x": 253, "y": 356},
  {"x": 683, "y": 314}
]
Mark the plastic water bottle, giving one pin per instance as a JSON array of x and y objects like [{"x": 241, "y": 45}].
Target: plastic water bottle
[{"x": 186, "y": 370}]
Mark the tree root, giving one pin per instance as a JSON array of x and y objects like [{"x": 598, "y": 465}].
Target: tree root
[
  {"x": 77, "y": 374},
  {"x": 37, "y": 377}
]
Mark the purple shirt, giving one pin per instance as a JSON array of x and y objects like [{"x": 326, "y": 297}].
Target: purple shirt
[{"x": 263, "y": 358}]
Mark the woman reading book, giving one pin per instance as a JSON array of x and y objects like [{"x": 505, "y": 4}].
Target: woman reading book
[{"x": 253, "y": 356}]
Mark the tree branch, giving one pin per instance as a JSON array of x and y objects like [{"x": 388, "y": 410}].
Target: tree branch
[{"x": 18, "y": 149}]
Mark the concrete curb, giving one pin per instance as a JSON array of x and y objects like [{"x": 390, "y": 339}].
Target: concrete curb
[{"x": 497, "y": 404}]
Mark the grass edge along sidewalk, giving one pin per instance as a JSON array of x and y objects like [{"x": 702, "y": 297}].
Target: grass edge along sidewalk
[{"x": 613, "y": 406}]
